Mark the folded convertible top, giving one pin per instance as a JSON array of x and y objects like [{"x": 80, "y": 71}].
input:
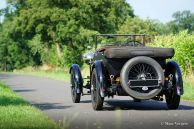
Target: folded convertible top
[{"x": 129, "y": 52}]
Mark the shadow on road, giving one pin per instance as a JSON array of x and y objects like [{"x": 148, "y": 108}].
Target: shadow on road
[
  {"x": 50, "y": 106},
  {"x": 25, "y": 90},
  {"x": 145, "y": 105},
  {"x": 110, "y": 105},
  {"x": 85, "y": 101}
]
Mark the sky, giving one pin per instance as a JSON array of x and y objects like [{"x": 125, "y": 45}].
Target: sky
[
  {"x": 2, "y": 5},
  {"x": 161, "y": 10}
]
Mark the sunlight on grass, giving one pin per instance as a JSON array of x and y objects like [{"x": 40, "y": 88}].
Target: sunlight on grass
[
  {"x": 188, "y": 87},
  {"x": 15, "y": 113},
  {"x": 58, "y": 74}
]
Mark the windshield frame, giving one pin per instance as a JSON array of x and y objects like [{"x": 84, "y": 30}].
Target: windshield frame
[{"x": 143, "y": 36}]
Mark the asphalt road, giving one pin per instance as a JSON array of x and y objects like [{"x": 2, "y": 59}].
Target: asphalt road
[{"x": 54, "y": 99}]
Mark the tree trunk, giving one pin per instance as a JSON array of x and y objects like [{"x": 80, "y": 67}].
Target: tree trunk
[{"x": 58, "y": 50}]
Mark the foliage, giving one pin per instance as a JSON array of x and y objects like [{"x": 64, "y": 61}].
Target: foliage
[
  {"x": 13, "y": 54},
  {"x": 182, "y": 21},
  {"x": 138, "y": 26},
  {"x": 53, "y": 32},
  {"x": 57, "y": 32},
  {"x": 183, "y": 43}
]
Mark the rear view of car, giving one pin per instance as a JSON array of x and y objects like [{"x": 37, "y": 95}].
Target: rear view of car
[{"x": 122, "y": 65}]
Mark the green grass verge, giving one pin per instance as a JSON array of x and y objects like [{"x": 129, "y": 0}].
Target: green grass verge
[
  {"x": 188, "y": 90},
  {"x": 58, "y": 75},
  {"x": 16, "y": 113}
]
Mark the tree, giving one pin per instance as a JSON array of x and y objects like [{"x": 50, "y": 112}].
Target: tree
[
  {"x": 58, "y": 26},
  {"x": 60, "y": 23},
  {"x": 182, "y": 21},
  {"x": 138, "y": 26},
  {"x": 13, "y": 54}
]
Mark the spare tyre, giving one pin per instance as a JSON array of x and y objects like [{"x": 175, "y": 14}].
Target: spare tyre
[{"x": 142, "y": 77}]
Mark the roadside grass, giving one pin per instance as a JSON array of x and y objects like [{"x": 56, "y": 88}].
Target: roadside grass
[
  {"x": 63, "y": 74},
  {"x": 46, "y": 71},
  {"x": 53, "y": 73},
  {"x": 16, "y": 113},
  {"x": 58, "y": 75},
  {"x": 188, "y": 87}
]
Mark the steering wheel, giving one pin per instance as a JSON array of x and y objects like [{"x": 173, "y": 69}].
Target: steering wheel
[{"x": 134, "y": 43}]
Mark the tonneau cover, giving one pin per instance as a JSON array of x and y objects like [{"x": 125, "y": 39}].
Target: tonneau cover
[{"x": 129, "y": 52}]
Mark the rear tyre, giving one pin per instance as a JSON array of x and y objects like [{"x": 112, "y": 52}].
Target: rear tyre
[
  {"x": 97, "y": 100},
  {"x": 75, "y": 96},
  {"x": 172, "y": 98},
  {"x": 172, "y": 101}
]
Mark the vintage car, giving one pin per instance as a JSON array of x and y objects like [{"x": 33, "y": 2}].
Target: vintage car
[{"x": 122, "y": 65}]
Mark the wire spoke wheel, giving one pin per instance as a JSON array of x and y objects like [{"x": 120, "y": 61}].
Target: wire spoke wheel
[
  {"x": 93, "y": 90},
  {"x": 75, "y": 96},
  {"x": 97, "y": 100},
  {"x": 142, "y": 71}
]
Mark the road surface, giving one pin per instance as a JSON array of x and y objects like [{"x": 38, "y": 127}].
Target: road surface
[{"x": 53, "y": 97}]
